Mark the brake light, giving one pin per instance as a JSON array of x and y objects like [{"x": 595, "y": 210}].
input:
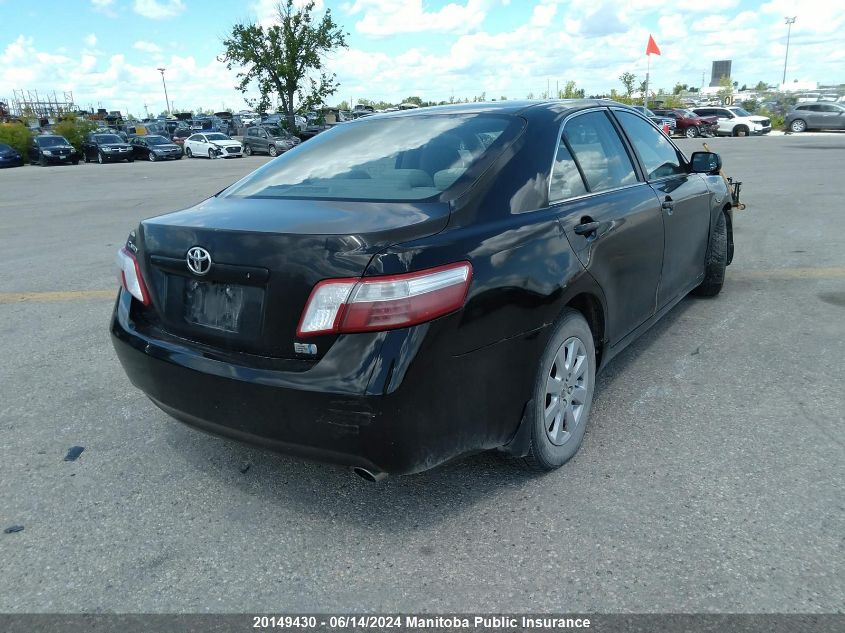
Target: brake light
[
  {"x": 130, "y": 277},
  {"x": 370, "y": 304}
]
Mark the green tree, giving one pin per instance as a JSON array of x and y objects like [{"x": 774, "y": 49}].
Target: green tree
[
  {"x": 726, "y": 88},
  {"x": 628, "y": 80},
  {"x": 286, "y": 59},
  {"x": 571, "y": 91},
  {"x": 503, "y": 98},
  {"x": 679, "y": 88},
  {"x": 17, "y": 135},
  {"x": 414, "y": 100},
  {"x": 343, "y": 105},
  {"x": 761, "y": 86},
  {"x": 74, "y": 130}
]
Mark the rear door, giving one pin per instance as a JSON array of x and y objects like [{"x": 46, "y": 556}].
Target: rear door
[
  {"x": 684, "y": 200},
  {"x": 595, "y": 186},
  {"x": 831, "y": 117}
]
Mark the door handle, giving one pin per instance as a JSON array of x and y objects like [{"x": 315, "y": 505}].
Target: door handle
[
  {"x": 668, "y": 205},
  {"x": 587, "y": 228}
]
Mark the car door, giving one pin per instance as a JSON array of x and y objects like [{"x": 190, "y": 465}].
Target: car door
[
  {"x": 685, "y": 202},
  {"x": 611, "y": 218},
  {"x": 34, "y": 152},
  {"x": 263, "y": 140},
  {"x": 830, "y": 116}
]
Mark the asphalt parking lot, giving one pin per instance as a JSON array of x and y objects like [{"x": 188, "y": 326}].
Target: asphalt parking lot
[{"x": 711, "y": 478}]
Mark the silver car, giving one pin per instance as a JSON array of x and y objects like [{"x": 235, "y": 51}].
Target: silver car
[{"x": 822, "y": 115}]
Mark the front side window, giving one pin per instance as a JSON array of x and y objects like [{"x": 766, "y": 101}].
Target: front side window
[
  {"x": 658, "y": 155},
  {"x": 599, "y": 151},
  {"x": 390, "y": 158}
]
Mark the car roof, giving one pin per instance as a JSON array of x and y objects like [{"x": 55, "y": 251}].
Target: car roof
[{"x": 504, "y": 107}]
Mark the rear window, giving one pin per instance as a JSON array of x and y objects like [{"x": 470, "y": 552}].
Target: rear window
[{"x": 391, "y": 158}]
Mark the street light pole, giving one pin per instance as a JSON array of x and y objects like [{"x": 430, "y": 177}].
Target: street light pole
[
  {"x": 166, "y": 100},
  {"x": 789, "y": 22}
]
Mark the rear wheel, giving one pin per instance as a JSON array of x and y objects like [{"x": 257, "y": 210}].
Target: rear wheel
[
  {"x": 691, "y": 132},
  {"x": 273, "y": 151},
  {"x": 247, "y": 150},
  {"x": 740, "y": 130},
  {"x": 563, "y": 394},
  {"x": 717, "y": 260},
  {"x": 798, "y": 125},
  {"x": 188, "y": 152}
]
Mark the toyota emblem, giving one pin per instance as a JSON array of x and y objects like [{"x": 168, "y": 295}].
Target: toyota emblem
[{"x": 199, "y": 260}]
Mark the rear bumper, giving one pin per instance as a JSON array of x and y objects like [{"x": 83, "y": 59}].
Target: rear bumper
[{"x": 395, "y": 402}]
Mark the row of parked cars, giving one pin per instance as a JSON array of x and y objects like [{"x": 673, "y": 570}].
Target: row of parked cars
[
  {"x": 108, "y": 146},
  {"x": 708, "y": 121}
]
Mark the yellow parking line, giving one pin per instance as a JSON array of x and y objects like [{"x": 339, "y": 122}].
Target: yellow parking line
[
  {"x": 60, "y": 295},
  {"x": 830, "y": 272},
  {"x": 776, "y": 274}
]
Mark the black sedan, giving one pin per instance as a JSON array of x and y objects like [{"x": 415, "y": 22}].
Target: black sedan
[
  {"x": 106, "y": 148},
  {"x": 9, "y": 156},
  {"x": 153, "y": 147},
  {"x": 50, "y": 149},
  {"x": 422, "y": 285}
]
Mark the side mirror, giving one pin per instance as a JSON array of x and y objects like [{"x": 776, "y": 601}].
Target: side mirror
[{"x": 705, "y": 163}]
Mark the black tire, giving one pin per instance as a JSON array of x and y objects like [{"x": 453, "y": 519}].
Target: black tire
[
  {"x": 188, "y": 152},
  {"x": 717, "y": 261},
  {"x": 130, "y": 160},
  {"x": 100, "y": 158},
  {"x": 543, "y": 453},
  {"x": 85, "y": 157},
  {"x": 210, "y": 155},
  {"x": 740, "y": 130},
  {"x": 273, "y": 151},
  {"x": 247, "y": 150},
  {"x": 691, "y": 132},
  {"x": 42, "y": 161},
  {"x": 151, "y": 157},
  {"x": 75, "y": 162},
  {"x": 798, "y": 126}
]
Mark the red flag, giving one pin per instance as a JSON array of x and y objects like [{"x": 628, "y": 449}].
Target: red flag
[{"x": 652, "y": 47}]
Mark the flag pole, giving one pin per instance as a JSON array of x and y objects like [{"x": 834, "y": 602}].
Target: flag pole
[{"x": 648, "y": 70}]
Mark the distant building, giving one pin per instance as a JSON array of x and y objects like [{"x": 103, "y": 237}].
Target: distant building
[{"x": 721, "y": 69}]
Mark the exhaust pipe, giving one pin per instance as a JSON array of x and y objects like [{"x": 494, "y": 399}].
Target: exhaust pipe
[{"x": 369, "y": 475}]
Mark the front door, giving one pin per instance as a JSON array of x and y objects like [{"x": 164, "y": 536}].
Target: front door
[{"x": 684, "y": 201}]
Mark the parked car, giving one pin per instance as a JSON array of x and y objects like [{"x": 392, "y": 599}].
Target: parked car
[
  {"x": 153, "y": 147},
  {"x": 687, "y": 122},
  {"x": 51, "y": 149},
  {"x": 212, "y": 145},
  {"x": 734, "y": 121},
  {"x": 106, "y": 147},
  {"x": 400, "y": 293},
  {"x": 816, "y": 116},
  {"x": 180, "y": 134},
  {"x": 268, "y": 139},
  {"x": 9, "y": 156},
  {"x": 667, "y": 124}
]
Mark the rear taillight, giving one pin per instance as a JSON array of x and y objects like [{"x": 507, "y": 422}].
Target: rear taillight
[
  {"x": 130, "y": 277},
  {"x": 370, "y": 304}
]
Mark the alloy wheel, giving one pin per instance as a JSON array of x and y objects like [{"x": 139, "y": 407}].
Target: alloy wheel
[{"x": 567, "y": 391}]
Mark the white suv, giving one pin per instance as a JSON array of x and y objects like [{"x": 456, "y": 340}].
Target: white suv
[{"x": 734, "y": 121}]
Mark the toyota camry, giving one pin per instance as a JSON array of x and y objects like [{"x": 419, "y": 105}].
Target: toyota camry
[{"x": 411, "y": 287}]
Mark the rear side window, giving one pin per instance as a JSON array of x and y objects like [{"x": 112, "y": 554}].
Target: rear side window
[
  {"x": 599, "y": 152},
  {"x": 566, "y": 181},
  {"x": 386, "y": 158},
  {"x": 658, "y": 155}
]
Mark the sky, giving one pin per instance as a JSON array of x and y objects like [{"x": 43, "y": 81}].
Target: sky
[{"x": 107, "y": 51}]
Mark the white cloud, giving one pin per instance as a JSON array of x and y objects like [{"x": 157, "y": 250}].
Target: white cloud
[
  {"x": 91, "y": 40},
  {"x": 382, "y": 18},
  {"x": 158, "y": 9},
  {"x": 146, "y": 47}
]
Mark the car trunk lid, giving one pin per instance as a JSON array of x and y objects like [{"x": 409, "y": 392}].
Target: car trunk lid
[{"x": 265, "y": 258}]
